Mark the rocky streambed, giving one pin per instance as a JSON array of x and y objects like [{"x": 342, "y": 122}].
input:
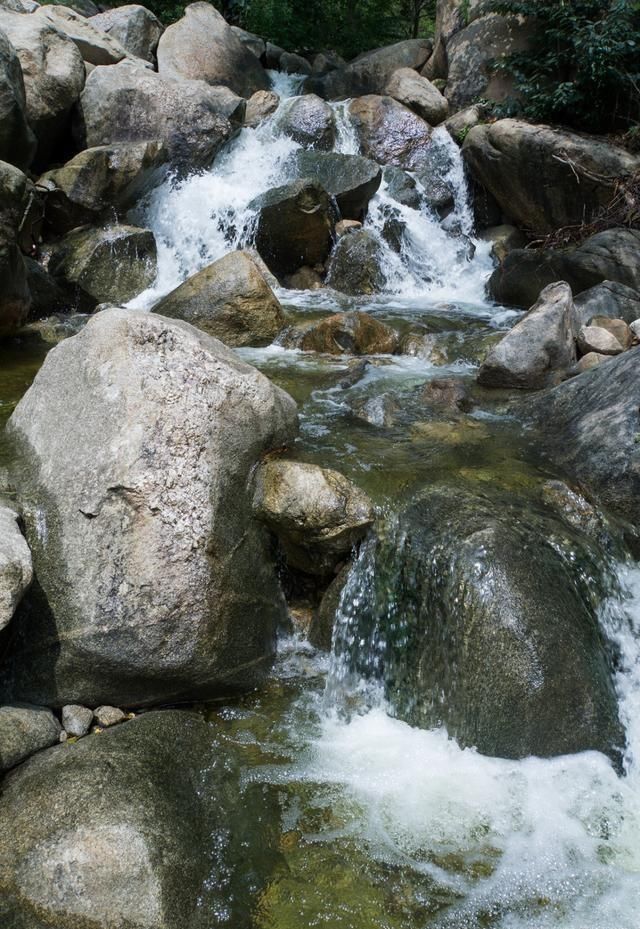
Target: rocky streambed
[{"x": 319, "y": 594}]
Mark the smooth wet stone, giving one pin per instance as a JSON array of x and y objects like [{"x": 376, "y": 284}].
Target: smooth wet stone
[
  {"x": 320, "y": 632},
  {"x": 154, "y": 428},
  {"x": 446, "y": 395},
  {"x": 356, "y": 265},
  {"x": 76, "y": 719},
  {"x": 351, "y": 179},
  {"x": 305, "y": 279},
  {"x": 25, "y": 730},
  {"x": 317, "y": 514},
  {"x": 351, "y": 333},
  {"x": 309, "y": 121},
  {"x": 106, "y": 716}
]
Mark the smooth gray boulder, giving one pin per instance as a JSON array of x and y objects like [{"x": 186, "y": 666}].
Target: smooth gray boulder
[
  {"x": 131, "y": 825},
  {"x": 317, "y": 514},
  {"x": 105, "y": 179},
  {"x": 370, "y": 72},
  {"x": 483, "y": 606},
  {"x": 95, "y": 46},
  {"x": 135, "y": 443},
  {"x": 309, "y": 121},
  {"x": 612, "y": 255},
  {"x": 389, "y": 132},
  {"x": 598, "y": 339},
  {"x": 129, "y": 103},
  {"x": 230, "y": 299},
  {"x": 17, "y": 141},
  {"x": 25, "y": 730},
  {"x": 137, "y": 29},
  {"x": 540, "y": 348},
  {"x": 609, "y": 298},
  {"x": 351, "y": 179},
  {"x": 53, "y": 73},
  {"x": 111, "y": 264},
  {"x": 294, "y": 226},
  {"x": 419, "y": 94},
  {"x": 355, "y": 266},
  {"x": 16, "y": 568},
  {"x": 544, "y": 178},
  {"x": 201, "y": 46},
  {"x": 588, "y": 427}
]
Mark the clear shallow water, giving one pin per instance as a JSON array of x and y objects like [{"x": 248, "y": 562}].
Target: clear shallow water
[{"x": 380, "y": 824}]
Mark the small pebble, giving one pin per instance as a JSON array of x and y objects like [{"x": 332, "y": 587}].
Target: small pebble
[
  {"x": 108, "y": 716},
  {"x": 76, "y": 719}
]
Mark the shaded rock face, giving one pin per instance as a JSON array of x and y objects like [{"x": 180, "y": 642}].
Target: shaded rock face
[
  {"x": 25, "y": 730},
  {"x": 129, "y": 103},
  {"x": 351, "y": 179},
  {"x": 293, "y": 64},
  {"x": 135, "y": 443},
  {"x": 201, "y": 46},
  {"x": 489, "y": 626},
  {"x": 16, "y": 192},
  {"x": 589, "y": 429},
  {"x": 294, "y": 226},
  {"x": 53, "y": 72},
  {"x": 539, "y": 349},
  {"x": 310, "y": 121},
  {"x": 230, "y": 300},
  {"x": 545, "y": 178},
  {"x": 370, "y": 72},
  {"x": 419, "y": 95},
  {"x": 134, "y": 27},
  {"x": 108, "y": 265},
  {"x": 316, "y": 513},
  {"x": 472, "y": 52},
  {"x": 16, "y": 569},
  {"x": 612, "y": 255},
  {"x": 17, "y": 141},
  {"x": 608, "y": 299},
  {"x": 123, "y": 836},
  {"x": 254, "y": 43},
  {"x": 105, "y": 178},
  {"x": 352, "y": 333},
  {"x": 355, "y": 266}
]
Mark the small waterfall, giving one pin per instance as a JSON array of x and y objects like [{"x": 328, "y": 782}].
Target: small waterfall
[{"x": 198, "y": 219}]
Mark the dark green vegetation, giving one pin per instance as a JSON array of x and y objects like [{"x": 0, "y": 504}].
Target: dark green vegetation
[{"x": 583, "y": 65}]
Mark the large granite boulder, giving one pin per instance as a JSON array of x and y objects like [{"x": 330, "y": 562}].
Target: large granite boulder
[
  {"x": 95, "y": 46},
  {"x": 389, "y": 132},
  {"x": 53, "y": 72},
  {"x": 317, "y": 514},
  {"x": 617, "y": 301},
  {"x": 355, "y": 266},
  {"x": 134, "y": 444},
  {"x": 545, "y": 178},
  {"x": 25, "y": 730},
  {"x": 588, "y": 427},
  {"x": 612, "y": 255},
  {"x": 294, "y": 226},
  {"x": 230, "y": 299},
  {"x": 16, "y": 568},
  {"x": 134, "y": 27},
  {"x": 419, "y": 94},
  {"x": 540, "y": 348},
  {"x": 309, "y": 121},
  {"x": 201, "y": 46},
  {"x": 370, "y": 72},
  {"x": 105, "y": 178},
  {"x": 483, "y": 610},
  {"x": 351, "y": 179},
  {"x": 17, "y": 141},
  {"x": 112, "y": 264},
  {"x": 129, "y": 103},
  {"x": 144, "y": 825}
]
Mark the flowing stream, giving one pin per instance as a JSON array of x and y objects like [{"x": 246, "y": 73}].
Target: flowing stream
[{"x": 381, "y": 824}]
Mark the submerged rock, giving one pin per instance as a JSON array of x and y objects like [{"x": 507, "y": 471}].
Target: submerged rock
[
  {"x": 131, "y": 825},
  {"x": 294, "y": 226},
  {"x": 135, "y": 443},
  {"x": 202, "y": 47},
  {"x": 317, "y": 514},
  {"x": 108, "y": 265},
  {"x": 352, "y": 333},
  {"x": 229, "y": 299},
  {"x": 482, "y": 608},
  {"x": 539, "y": 349},
  {"x": 24, "y": 730},
  {"x": 589, "y": 427},
  {"x": 355, "y": 266}
]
